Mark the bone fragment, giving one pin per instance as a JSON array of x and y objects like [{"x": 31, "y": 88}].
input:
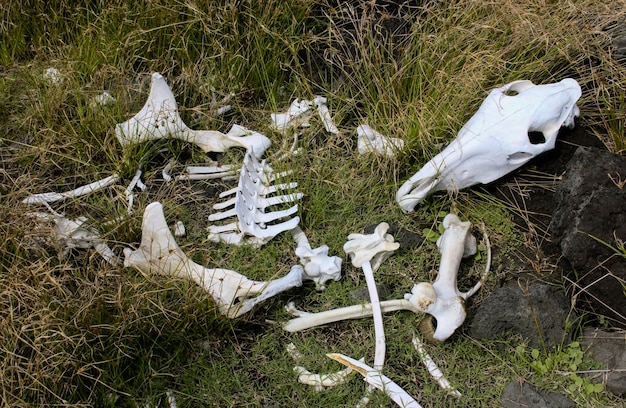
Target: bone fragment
[
  {"x": 318, "y": 266},
  {"x": 370, "y": 141},
  {"x": 68, "y": 234},
  {"x": 497, "y": 139},
  {"x": 80, "y": 191},
  {"x": 319, "y": 381},
  {"x": 374, "y": 248},
  {"x": 298, "y": 114},
  {"x": 432, "y": 368},
  {"x": 322, "y": 110},
  {"x": 104, "y": 99},
  {"x": 376, "y": 379},
  {"x": 233, "y": 293},
  {"x": 130, "y": 195},
  {"x": 159, "y": 118}
]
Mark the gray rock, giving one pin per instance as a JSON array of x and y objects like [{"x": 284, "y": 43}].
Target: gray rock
[
  {"x": 516, "y": 395},
  {"x": 609, "y": 349},
  {"x": 590, "y": 207},
  {"x": 539, "y": 314}
]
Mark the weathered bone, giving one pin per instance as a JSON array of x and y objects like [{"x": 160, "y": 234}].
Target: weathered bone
[
  {"x": 498, "y": 139},
  {"x": 248, "y": 203},
  {"x": 377, "y": 380},
  {"x": 68, "y": 234},
  {"x": 374, "y": 248},
  {"x": 370, "y": 141},
  {"x": 319, "y": 381},
  {"x": 77, "y": 192},
  {"x": 233, "y": 293},
  {"x": 298, "y": 114},
  {"x": 322, "y": 110},
  {"x": 363, "y": 249},
  {"x": 159, "y": 118},
  {"x": 441, "y": 299},
  {"x": 318, "y": 266}
]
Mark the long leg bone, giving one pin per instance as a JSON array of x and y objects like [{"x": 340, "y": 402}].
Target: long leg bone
[
  {"x": 441, "y": 299},
  {"x": 233, "y": 293},
  {"x": 497, "y": 139},
  {"x": 248, "y": 203},
  {"x": 159, "y": 118},
  {"x": 374, "y": 247}
]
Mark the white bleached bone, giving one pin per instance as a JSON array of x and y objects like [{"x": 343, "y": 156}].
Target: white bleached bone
[
  {"x": 441, "y": 299},
  {"x": 375, "y": 247},
  {"x": 370, "y": 141},
  {"x": 233, "y": 293},
  {"x": 320, "y": 103},
  {"x": 318, "y": 266},
  {"x": 363, "y": 249},
  {"x": 514, "y": 124},
  {"x": 104, "y": 99},
  {"x": 130, "y": 195},
  {"x": 159, "y": 118},
  {"x": 246, "y": 209},
  {"x": 432, "y": 368},
  {"x": 377, "y": 380},
  {"x": 298, "y": 114},
  {"x": 68, "y": 234},
  {"x": 319, "y": 381},
  {"x": 77, "y": 192},
  {"x": 215, "y": 171}
]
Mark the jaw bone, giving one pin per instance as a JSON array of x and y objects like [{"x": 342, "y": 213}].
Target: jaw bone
[
  {"x": 159, "y": 118},
  {"x": 233, "y": 293},
  {"x": 497, "y": 139}
]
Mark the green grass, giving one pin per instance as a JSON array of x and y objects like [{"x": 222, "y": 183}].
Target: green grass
[{"x": 78, "y": 332}]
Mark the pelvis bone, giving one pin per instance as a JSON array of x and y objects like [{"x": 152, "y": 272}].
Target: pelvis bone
[
  {"x": 233, "y": 293},
  {"x": 159, "y": 118},
  {"x": 514, "y": 124}
]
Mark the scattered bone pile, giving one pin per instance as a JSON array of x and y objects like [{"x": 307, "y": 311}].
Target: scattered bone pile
[{"x": 495, "y": 141}]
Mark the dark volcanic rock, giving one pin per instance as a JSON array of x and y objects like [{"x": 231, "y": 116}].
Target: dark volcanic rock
[
  {"x": 590, "y": 207},
  {"x": 608, "y": 348},
  {"x": 516, "y": 395},
  {"x": 538, "y": 314}
]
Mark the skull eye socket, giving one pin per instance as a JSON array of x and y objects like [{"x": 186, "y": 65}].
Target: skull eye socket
[{"x": 536, "y": 138}]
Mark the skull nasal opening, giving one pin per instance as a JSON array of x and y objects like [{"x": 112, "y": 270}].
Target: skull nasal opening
[{"x": 536, "y": 138}]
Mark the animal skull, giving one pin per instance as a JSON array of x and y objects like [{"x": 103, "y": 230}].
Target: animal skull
[{"x": 514, "y": 124}]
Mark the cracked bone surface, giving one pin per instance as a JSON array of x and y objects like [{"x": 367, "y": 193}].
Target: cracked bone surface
[
  {"x": 246, "y": 209},
  {"x": 233, "y": 293},
  {"x": 159, "y": 118},
  {"x": 370, "y": 141},
  {"x": 515, "y": 123},
  {"x": 318, "y": 266},
  {"x": 441, "y": 299}
]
